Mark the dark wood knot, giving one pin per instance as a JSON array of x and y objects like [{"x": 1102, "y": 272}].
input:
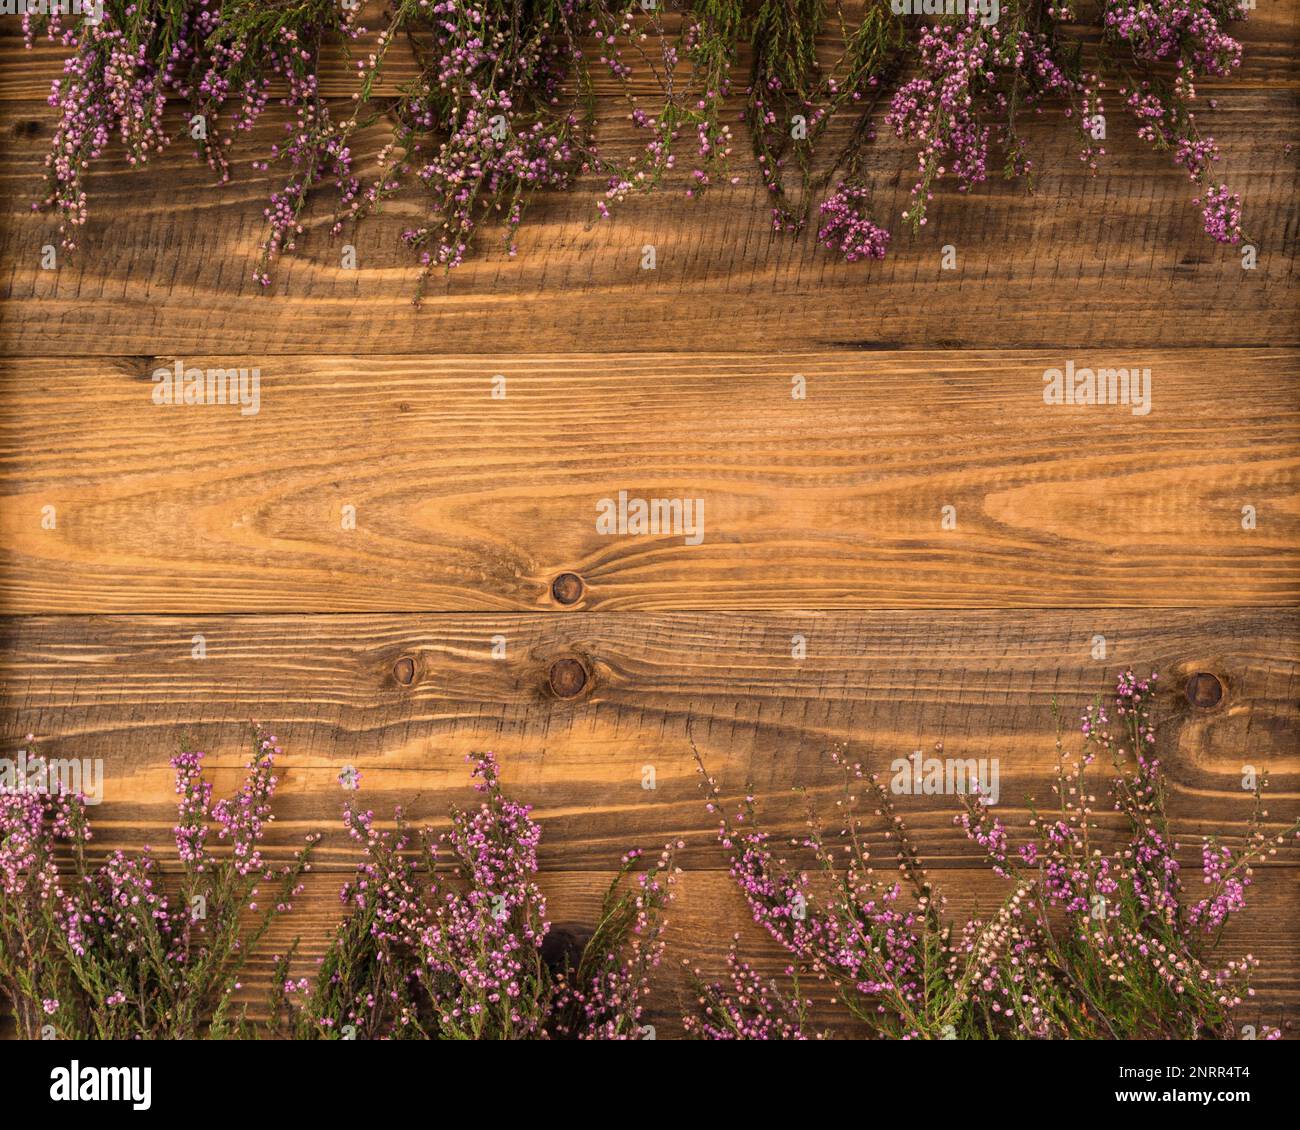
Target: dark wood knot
[
  {"x": 1204, "y": 690},
  {"x": 567, "y": 588},
  {"x": 567, "y": 677},
  {"x": 404, "y": 670}
]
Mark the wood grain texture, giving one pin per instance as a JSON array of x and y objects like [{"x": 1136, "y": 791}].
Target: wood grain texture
[
  {"x": 468, "y": 502},
  {"x": 924, "y": 390},
  {"x": 166, "y": 262},
  {"x": 125, "y": 689}
]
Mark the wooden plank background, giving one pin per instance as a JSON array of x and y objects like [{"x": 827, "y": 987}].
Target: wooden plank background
[
  {"x": 371, "y": 647},
  {"x": 466, "y": 502},
  {"x": 1117, "y": 260}
]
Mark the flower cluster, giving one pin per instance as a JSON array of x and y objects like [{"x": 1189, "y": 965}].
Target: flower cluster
[
  {"x": 447, "y": 941},
  {"x": 501, "y": 104},
  {"x": 219, "y": 60},
  {"x": 33, "y": 826},
  {"x": 693, "y": 103},
  {"x": 1190, "y": 36},
  {"x": 488, "y": 123},
  {"x": 451, "y": 941},
  {"x": 747, "y": 1007},
  {"x": 846, "y": 228},
  {"x": 1096, "y": 938},
  {"x": 795, "y": 98},
  {"x": 974, "y": 81},
  {"x": 112, "y": 950}
]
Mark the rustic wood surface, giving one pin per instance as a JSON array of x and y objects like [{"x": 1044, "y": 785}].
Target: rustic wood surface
[
  {"x": 466, "y": 502},
  {"x": 405, "y": 698},
  {"x": 166, "y": 263},
  {"x": 372, "y": 647}
]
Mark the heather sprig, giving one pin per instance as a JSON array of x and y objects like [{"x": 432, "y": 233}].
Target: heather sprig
[
  {"x": 367, "y": 983},
  {"x": 446, "y": 937},
  {"x": 1095, "y": 938},
  {"x": 212, "y": 60},
  {"x": 488, "y": 122},
  {"x": 975, "y": 82},
  {"x": 692, "y": 70},
  {"x": 1187, "y": 37},
  {"x": 33, "y": 828},
  {"x": 254, "y": 44},
  {"x": 117, "y": 949},
  {"x": 747, "y": 1007},
  {"x": 117, "y": 82},
  {"x": 882, "y": 944},
  {"x": 601, "y": 996},
  {"x": 793, "y": 100},
  {"x": 1132, "y": 955}
]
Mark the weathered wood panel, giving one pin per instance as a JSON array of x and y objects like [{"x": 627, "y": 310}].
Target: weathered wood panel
[
  {"x": 124, "y": 689},
  {"x": 468, "y": 502},
  {"x": 1076, "y": 523},
  {"x": 405, "y": 698},
  {"x": 166, "y": 263}
]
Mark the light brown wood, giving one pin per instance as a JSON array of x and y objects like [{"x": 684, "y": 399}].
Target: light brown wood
[
  {"x": 924, "y": 390},
  {"x": 467, "y": 502},
  {"x": 127, "y": 689}
]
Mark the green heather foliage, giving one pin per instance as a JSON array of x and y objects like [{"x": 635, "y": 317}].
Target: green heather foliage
[
  {"x": 108, "y": 951},
  {"x": 451, "y": 943},
  {"x": 502, "y": 102},
  {"x": 455, "y": 944},
  {"x": 1098, "y": 935}
]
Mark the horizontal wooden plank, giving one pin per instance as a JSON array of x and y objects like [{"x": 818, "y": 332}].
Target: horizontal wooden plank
[
  {"x": 466, "y": 502},
  {"x": 166, "y": 262},
  {"x": 404, "y": 699}
]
